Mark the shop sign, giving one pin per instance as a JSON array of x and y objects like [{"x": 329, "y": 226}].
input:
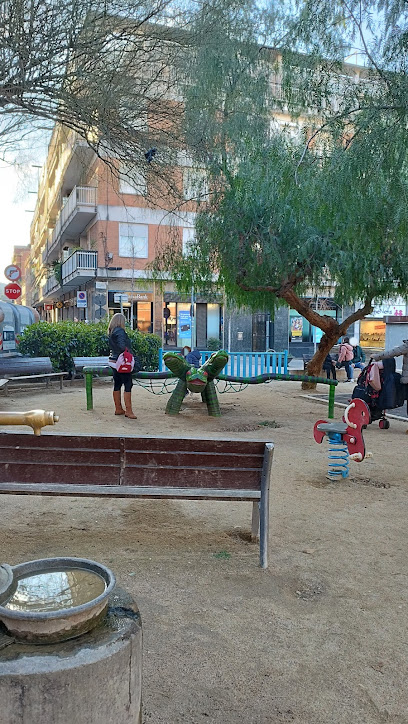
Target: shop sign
[
  {"x": 48, "y": 307},
  {"x": 296, "y": 328},
  {"x": 120, "y": 298},
  {"x": 389, "y": 308},
  {"x": 142, "y": 296},
  {"x": 184, "y": 324}
]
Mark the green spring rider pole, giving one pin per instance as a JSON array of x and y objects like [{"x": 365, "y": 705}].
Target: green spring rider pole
[
  {"x": 332, "y": 389},
  {"x": 88, "y": 386}
]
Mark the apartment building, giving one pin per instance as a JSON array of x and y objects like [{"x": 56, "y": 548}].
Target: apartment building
[{"x": 92, "y": 236}]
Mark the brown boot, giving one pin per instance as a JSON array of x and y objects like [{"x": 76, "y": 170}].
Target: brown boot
[
  {"x": 118, "y": 403},
  {"x": 128, "y": 405}
]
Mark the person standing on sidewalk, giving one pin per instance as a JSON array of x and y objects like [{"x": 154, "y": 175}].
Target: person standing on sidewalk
[{"x": 119, "y": 341}]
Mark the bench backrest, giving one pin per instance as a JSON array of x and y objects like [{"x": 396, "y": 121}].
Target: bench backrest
[
  {"x": 81, "y": 362},
  {"x": 89, "y": 461},
  {"x": 15, "y": 366}
]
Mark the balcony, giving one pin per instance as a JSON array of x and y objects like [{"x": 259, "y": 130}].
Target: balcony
[
  {"x": 79, "y": 209},
  {"x": 79, "y": 268},
  {"x": 51, "y": 289}
]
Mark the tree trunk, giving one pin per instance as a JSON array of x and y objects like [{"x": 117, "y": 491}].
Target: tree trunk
[
  {"x": 331, "y": 328},
  {"x": 314, "y": 367}
]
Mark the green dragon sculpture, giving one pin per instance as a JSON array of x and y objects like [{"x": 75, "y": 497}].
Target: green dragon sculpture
[{"x": 195, "y": 380}]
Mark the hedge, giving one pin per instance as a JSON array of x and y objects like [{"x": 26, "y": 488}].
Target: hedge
[{"x": 61, "y": 341}]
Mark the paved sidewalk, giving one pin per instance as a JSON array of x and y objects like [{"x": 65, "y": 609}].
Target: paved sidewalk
[{"x": 344, "y": 398}]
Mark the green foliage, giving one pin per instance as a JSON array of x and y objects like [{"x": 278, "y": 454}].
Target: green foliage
[
  {"x": 214, "y": 344},
  {"x": 62, "y": 341}
]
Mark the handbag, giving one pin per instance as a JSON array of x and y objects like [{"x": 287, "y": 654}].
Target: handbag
[{"x": 125, "y": 362}]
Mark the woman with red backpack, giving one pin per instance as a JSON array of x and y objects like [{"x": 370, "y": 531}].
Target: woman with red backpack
[{"x": 122, "y": 362}]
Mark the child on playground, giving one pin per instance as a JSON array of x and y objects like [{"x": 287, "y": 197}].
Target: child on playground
[
  {"x": 329, "y": 367},
  {"x": 193, "y": 358}
]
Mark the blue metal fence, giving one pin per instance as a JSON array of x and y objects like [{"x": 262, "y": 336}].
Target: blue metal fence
[{"x": 248, "y": 364}]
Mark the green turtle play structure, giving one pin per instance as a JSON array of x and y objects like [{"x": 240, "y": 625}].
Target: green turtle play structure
[{"x": 195, "y": 380}]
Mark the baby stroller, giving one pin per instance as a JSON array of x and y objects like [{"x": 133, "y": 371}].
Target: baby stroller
[{"x": 391, "y": 395}]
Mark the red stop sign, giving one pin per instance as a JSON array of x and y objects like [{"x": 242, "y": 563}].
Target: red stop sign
[{"x": 12, "y": 291}]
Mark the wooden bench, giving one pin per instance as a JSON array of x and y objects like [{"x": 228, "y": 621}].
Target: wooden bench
[
  {"x": 141, "y": 467},
  {"x": 17, "y": 370}
]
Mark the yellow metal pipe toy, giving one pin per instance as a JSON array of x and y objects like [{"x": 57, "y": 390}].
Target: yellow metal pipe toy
[{"x": 36, "y": 419}]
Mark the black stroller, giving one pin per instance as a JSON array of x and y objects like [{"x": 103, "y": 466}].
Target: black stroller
[{"x": 391, "y": 395}]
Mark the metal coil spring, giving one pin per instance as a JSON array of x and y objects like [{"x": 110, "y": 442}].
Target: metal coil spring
[{"x": 338, "y": 453}]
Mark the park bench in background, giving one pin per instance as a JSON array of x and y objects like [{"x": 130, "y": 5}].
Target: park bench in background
[
  {"x": 141, "y": 467},
  {"x": 81, "y": 362},
  {"x": 4, "y": 385},
  {"x": 20, "y": 370}
]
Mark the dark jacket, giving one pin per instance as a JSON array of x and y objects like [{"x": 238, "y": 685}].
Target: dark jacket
[
  {"x": 328, "y": 363},
  {"x": 359, "y": 355},
  {"x": 194, "y": 357},
  {"x": 119, "y": 341},
  {"x": 395, "y": 352}
]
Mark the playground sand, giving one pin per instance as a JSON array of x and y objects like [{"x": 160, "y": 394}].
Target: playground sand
[{"x": 319, "y": 638}]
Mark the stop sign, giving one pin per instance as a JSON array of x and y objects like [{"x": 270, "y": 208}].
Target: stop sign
[{"x": 12, "y": 291}]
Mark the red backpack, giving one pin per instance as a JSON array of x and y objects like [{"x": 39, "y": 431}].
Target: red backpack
[{"x": 125, "y": 362}]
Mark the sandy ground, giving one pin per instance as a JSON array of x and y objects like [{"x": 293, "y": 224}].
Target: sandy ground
[{"x": 321, "y": 637}]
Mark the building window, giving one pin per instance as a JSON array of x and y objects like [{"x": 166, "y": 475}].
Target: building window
[
  {"x": 188, "y": 241},
  {"x": 131, "y": 181},
  {"x": 134, "y": 240},
  {"x": 195, "y": 184}
]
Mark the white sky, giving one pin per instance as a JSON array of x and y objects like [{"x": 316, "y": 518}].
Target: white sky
[{"x": 15, "y": 222}]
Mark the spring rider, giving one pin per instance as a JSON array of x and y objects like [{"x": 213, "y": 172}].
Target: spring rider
[{"x": 345, "y": 438}]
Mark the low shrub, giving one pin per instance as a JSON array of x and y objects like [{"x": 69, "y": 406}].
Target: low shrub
[
  {"x": 61, "y": 341},
  {"x": 214, "y": 344}
]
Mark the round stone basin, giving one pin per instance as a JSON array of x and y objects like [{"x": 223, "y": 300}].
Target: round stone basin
[{"x": 55, "y": 599}]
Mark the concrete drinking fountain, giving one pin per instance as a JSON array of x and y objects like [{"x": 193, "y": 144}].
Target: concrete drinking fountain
[
  {"x": 70, "y": 645},
  {"x": 54, "y": 599}
]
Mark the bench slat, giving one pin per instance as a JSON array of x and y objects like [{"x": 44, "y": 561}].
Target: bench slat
[
  {"x": 54, "y": 473},
  {"x": 117, "y": 491},
  {"x": 133, "y": 444},
  {"x": 34, "y": 377},
  {"x": 144, "y": 458}
]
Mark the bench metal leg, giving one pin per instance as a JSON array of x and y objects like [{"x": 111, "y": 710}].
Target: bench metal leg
[
  {"x": 264, "y": 507},
  {"x": 255, "y": 521},
  {"x": 60, "y": 381}
]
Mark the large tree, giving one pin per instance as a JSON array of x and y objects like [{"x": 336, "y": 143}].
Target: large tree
[
  {"x": 268, "y": 240},
  {"x": 288, "y": 219}
]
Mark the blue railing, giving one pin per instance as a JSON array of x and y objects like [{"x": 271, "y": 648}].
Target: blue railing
[{"x": 247, "y": 364}]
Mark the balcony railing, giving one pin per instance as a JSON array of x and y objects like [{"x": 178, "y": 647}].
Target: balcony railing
[
  {"x": 79, "y": 196},
  {"x": 50, "y": 286},
  {"x": 77, "y": 211},
  {"x": 79, "y": 267}
]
